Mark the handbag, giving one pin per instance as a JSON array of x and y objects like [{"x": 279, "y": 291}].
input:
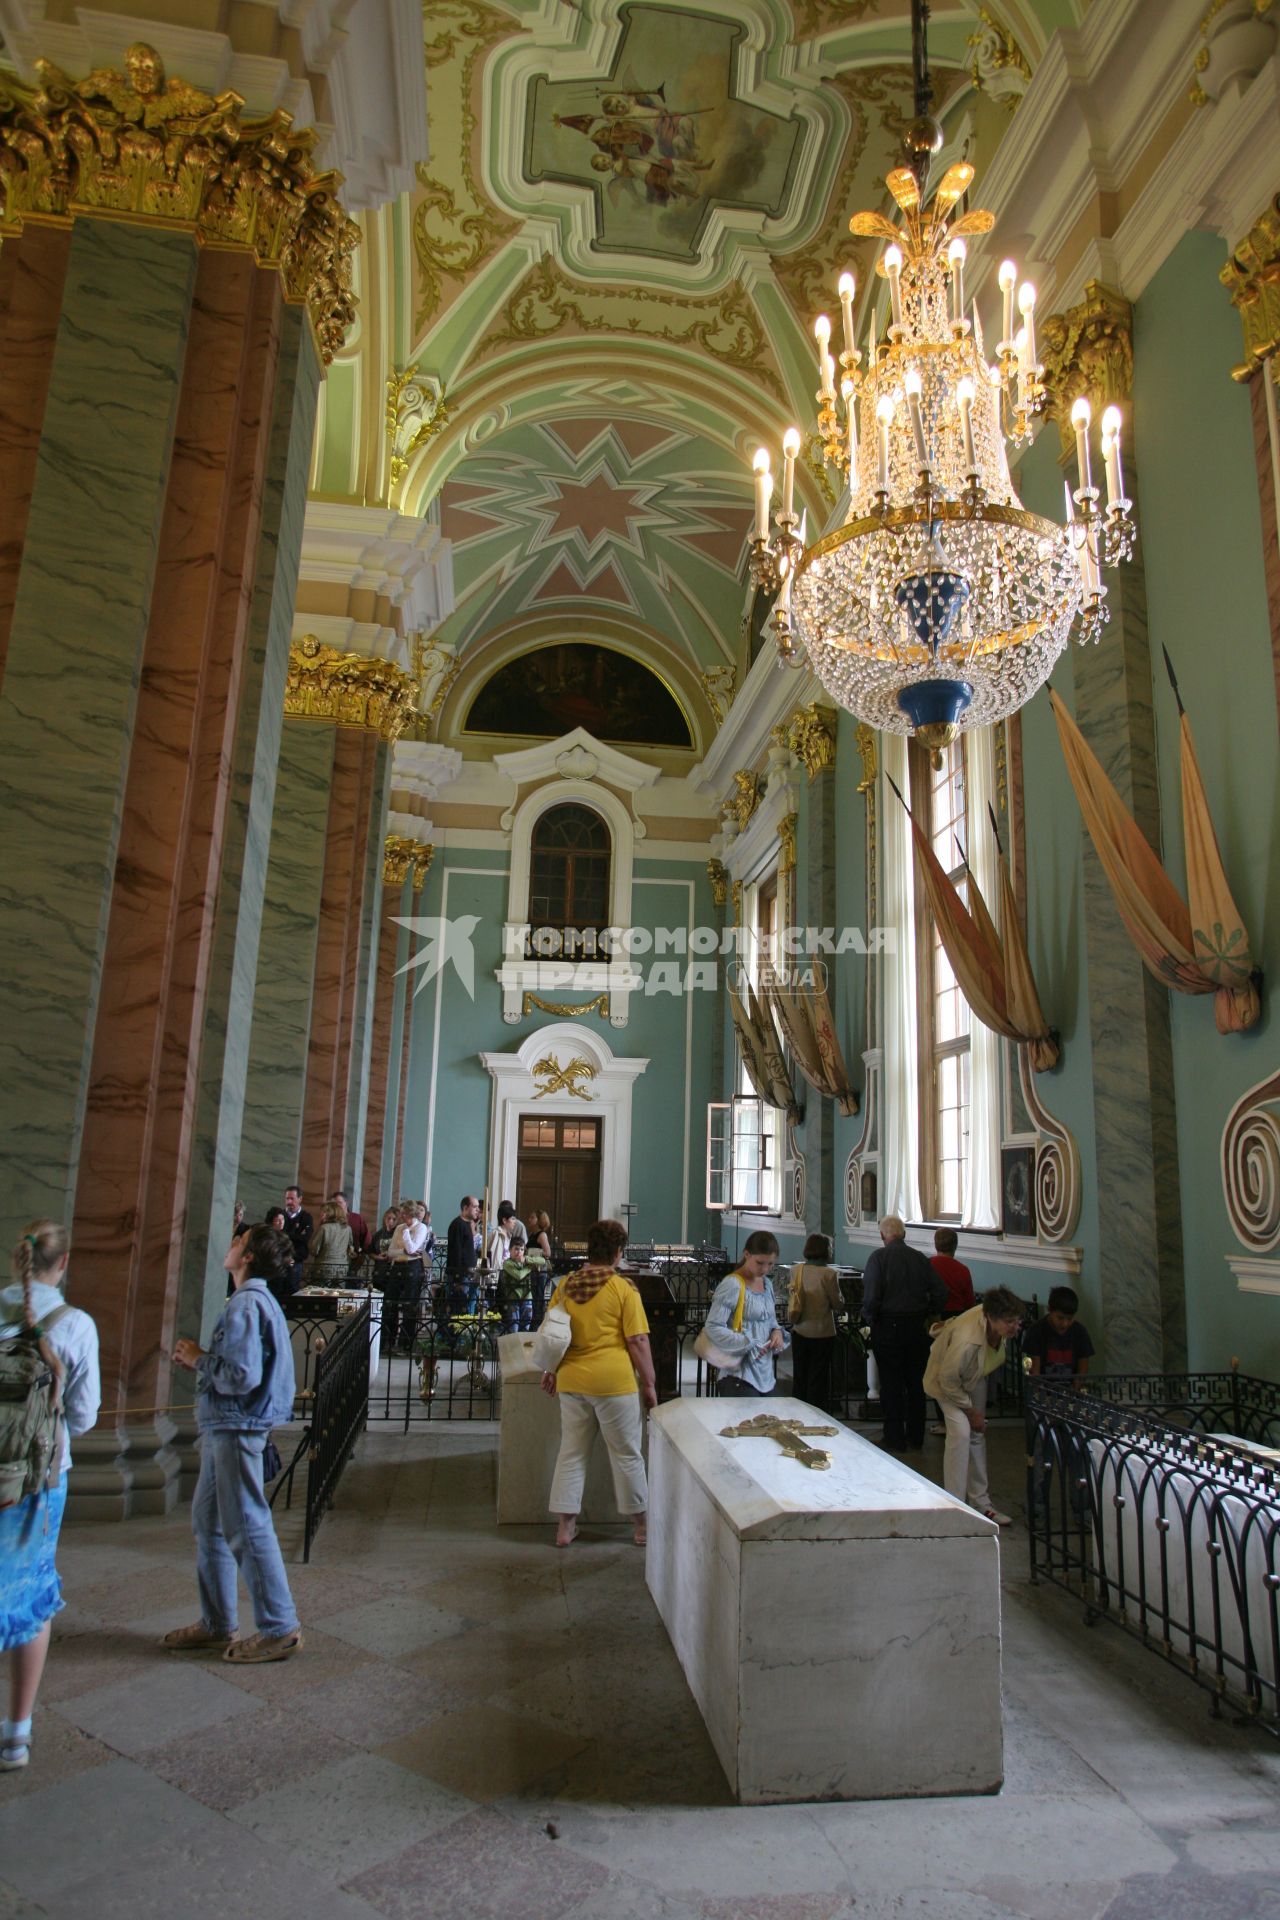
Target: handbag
[
  {"x": 705, "y": 1345},
  {"x": 551, "y": 1341}
]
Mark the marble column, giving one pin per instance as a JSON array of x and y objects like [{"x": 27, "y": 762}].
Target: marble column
[
  {"x": 276, "y": 1074},
  {"x": 820, "y": 911},
  {"x": 1139, "y": 1219},
  {"x": 375, "y": 1178},
  {"x": 336, "y": 1063},
  {"x": 32, "y": 272},
  {"x": 79, "y": 621}
]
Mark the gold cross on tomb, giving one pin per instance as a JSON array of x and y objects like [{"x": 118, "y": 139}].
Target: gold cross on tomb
[{"x": 767, "y": 1426}]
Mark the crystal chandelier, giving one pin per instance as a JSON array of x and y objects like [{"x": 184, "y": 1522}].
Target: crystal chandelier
[{"x": 941, "y": 603}]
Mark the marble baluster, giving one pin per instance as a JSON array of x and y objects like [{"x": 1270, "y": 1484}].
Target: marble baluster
[
  {"x": 33, "y": 268},
  {"x": 366, "y": 973},
  {"x": 1139, "y": 1221},
  {"x": 70, "y": 689},
  {"x": 374, "y": 1187},
  {"x": 227, "y": 1036},
  {"x": 337, "y": 970},
  {"x": 137, "y": 1144},
  {"x": 271, "y": 1138}
]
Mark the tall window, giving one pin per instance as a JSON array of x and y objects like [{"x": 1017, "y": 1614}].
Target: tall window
[
  {"x": 761, "y": 1189},
  {"x": 944, "y": 1012},
  {"x": 569, "y": 871}
]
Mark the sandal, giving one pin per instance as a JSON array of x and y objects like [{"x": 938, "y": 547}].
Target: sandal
[
  {"x": 197, "y": 1639},
  {"x": 264, "y": 1646}
]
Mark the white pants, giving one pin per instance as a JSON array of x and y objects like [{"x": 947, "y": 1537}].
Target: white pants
[
  {"x": 964, "y": 1462},
  {"x": 618, "y": 1417}
]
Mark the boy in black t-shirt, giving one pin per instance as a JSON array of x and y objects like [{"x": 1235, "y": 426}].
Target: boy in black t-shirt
[{"x": 1057, "y": 1345}]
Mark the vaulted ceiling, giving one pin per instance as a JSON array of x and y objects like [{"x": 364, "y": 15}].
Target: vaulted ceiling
[{"x": 602, "y": 289}]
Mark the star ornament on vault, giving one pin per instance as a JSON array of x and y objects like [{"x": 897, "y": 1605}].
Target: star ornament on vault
[{"x": 445, "y": 943}]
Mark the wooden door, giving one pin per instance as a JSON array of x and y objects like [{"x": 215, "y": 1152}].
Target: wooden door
[{"x": 558, "y": 1172}]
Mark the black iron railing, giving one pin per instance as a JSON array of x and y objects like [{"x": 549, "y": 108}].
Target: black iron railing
[
  {"x": 339, "y": 1408},
  {"x": 1146, "y": 1499}
]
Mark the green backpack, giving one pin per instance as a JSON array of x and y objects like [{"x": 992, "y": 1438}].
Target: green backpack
[{"x": 30, "y": 1413}]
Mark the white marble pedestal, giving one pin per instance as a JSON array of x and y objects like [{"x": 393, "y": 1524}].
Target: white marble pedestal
[
  {"x": 839, "y": 1628},
  {"x": 528, "y": 1442}
]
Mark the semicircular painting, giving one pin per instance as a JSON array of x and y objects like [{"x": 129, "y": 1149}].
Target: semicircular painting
[{"x": 550, "y": 690}]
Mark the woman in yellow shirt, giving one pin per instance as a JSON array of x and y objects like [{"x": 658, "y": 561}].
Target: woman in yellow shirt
[{"x": 596, "y": 1382}]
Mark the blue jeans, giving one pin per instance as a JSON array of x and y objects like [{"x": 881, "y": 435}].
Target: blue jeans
[
  {"x": 233, "y": 1528},
  {"x": 517, "y": 1315}
]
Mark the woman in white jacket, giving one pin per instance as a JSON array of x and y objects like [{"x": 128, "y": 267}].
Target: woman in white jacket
[{"x": 965, "y": 1352}]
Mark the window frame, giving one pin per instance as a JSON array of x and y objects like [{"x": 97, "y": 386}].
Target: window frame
[{"x": 930, "y": 1050}]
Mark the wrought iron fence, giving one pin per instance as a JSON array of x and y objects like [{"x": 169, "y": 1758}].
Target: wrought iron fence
[
  {"x": 339, "y": 1406},
  {"x": 1155, "y": 1499}
]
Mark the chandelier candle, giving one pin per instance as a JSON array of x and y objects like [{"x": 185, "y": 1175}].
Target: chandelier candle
[
  {"x": 764, "y": 491},
  {"x": 936, "y": 602}
]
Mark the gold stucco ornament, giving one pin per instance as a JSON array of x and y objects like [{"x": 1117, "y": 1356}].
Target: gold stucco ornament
[
  {"x": 348, "y": 689},
  {"x": 401, "y": 854},
  {"x": 141, "y": 146}
]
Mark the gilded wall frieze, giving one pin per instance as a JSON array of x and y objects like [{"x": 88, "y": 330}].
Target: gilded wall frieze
[
  {"x": 997, "y": 64},
  {"x": 1087, "y": 350},
  {"x": 415, "y": 414},
  {"x": 718, "y": 875},
  {"x": 744, "y": 799},
  {"x": 811, "y": 736},
  {"x": 1252, "y": 278},
  {"x": 815, "y": 17},
  {"x": 565, "y": 1009},
  {"x": 787, "y": 843},
  {"x": 868, "y": 750},
  {"x": 724, "y": 325},
  {"x": 348, "y": 689},
  {"x": 140, "y": 145},
  {"x": 456, "y": 227},
  {"x": 720, "y": 685},
  {"x": 401, "y": 856}
]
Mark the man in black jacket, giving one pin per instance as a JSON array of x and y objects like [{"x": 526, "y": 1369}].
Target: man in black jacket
[
  {"x": 460, "y": 1262},
  {"x": 298, "y": 1225},
  {"x": 899, "y": 1290}
]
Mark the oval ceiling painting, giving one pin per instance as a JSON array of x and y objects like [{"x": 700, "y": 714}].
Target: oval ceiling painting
[{"x": 553, "y": 689}]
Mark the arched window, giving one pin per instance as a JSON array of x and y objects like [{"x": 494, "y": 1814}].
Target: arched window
[{"x": 569, "y": 873}]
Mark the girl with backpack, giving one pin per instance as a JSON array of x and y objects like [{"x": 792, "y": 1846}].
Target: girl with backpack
[{"x": 49, "y": 1391}]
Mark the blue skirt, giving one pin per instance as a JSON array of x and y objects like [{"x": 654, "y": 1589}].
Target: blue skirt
[{"x": 30, "y": 1590}]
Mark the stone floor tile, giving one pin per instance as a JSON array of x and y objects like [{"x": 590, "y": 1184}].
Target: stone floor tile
[
  {"x": 16, "y": 1906},
  {"x": 322, "y": 1658},
  {"x": 373, "y": 1704},
  {"x": 352, "y": 1814},
  {"x": 484, "y": 1753},
  {"x": 93, "y": 1660},
  {"x": 778, "y": 1906},
  {"x": 213, "y": 1881},
  {"x": 397, "y": 1624},
  {"x": 319, "y": 1590},
  {"x": 741, "y": 1851},
  {"x": 482, "y": 1868},
  {"x": 175, "y": 1696},
  {"x": 235, "y": 1761},
  {"x": 58, "y": 1750},
  {"x": 488, "y": 1659},
  {"x": 1198, "y": 1896},
  {"x": 53, "y": 1839},
  {"x": 122, "y": 1599}
]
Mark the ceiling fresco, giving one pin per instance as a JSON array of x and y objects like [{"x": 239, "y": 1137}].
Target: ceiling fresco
[
  {"x": 661, "y": 140},
  {"x": 602, "y": 289}
]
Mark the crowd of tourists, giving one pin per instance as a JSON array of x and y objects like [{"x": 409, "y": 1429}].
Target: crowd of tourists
[{"x": 928, "y": 1332}]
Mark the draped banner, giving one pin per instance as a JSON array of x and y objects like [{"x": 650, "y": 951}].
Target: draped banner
[
  {"x": 805, "y": 1022},
  {"x": 761, "y": 1053},
  {"x": 994, "y": 975},
  {"x": 1203, "y": 949}
]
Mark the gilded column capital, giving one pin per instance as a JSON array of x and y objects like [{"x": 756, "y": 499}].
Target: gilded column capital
[
  {"x": 811, "y": 737},
  {"x": 718, "y": 875},
  {"x": 140, "y": 145},
  {"x": 1252, "y": 278},
  {"x": 348, "y": 690},
  {"x": 402, "y": 854},
  {"x": 1087, "y": 350}
]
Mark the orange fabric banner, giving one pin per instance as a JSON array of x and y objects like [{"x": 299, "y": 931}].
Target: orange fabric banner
[{"x": 1213, "y": 955}]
